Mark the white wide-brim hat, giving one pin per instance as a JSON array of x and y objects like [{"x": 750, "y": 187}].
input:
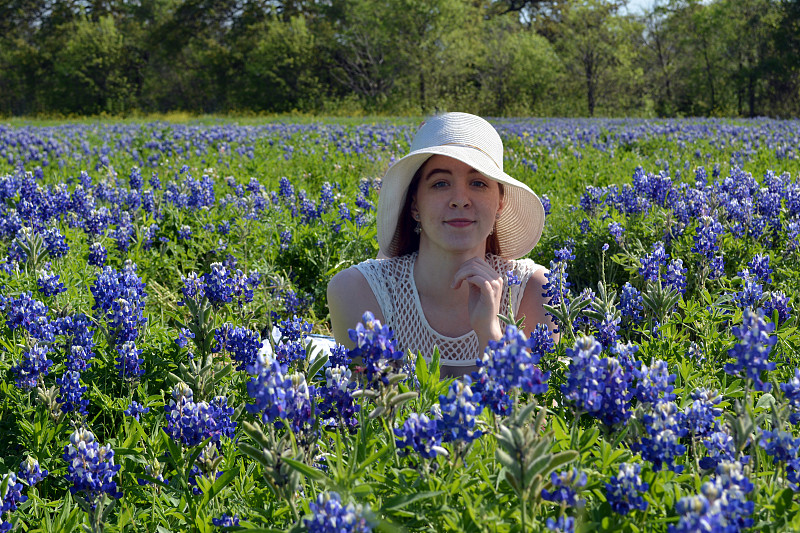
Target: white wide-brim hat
[{"x": 473, "y": 141}]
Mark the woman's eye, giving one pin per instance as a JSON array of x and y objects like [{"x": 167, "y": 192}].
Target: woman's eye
[
  {"x": 478, "y": 183},
  {"x": 439, "y": 184}
]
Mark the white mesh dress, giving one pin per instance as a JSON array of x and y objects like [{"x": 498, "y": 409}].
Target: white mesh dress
[{"x": 392, "y": 282}]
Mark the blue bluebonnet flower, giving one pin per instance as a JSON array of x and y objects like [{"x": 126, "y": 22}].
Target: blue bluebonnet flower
[
  {"x": 597, "y": 386},
  {"x": 191, "y": 423},
  {"x": 545, "y": 203},
  {"x": 616, "y": 230},
  {"x": 777, "y": 301},
  {"x": 242, "y": 343},
  {"x": 759, "y": 265},
  {"x": 511, "y": 278},
  {"x": 119, "y": 298},
  {"x": 557, "y": 286},
  {"x": 49, "y": 283},
  {"x": 791, "y": 391},
  {"x": 591, "y": 200},
  {"x": 135, "y": 410},
  {"x": 654, "y": 384},
  {"x": 793, "y": 235},
  {"x": 722, "y": 504},
  {"x": 506, "y": 364},
  {"x": 567, "y": 485},
  {"x": 226, "y": 520},
  {"x": 793, "y": 474},
  {"x": 665, "y": 426},
  {"x": 128, "y": 362},
  {"x": 751, "y": 354},
  {"x": 135, "y": 178},
  {"x": 286, "y": 190},
  {"x": 751, "y": 293},
  {"x": 10, "y": 498},
  {"x": 194, "y": 288},
  {"x": 779, "y": 444},
  {"x": 183, "y": 337},
  {"x": 294, "y": 329},
  {"x": 279, "y": 398},
  {"x": 55, "y": 242},
  {"x": 328, "y": 515},
  {"x": 421, "y": 434},
  {"x": 31, "y": 472},
  {"x": 185, "y": 233},
  {"x": 651, "y": 264},
  {"x": 676, "y": 276},
  {"x": 541, "y": 342},
  {"x": 716, "y": 267},
  {"x": 584, "y": 226},
  {"x": 344, "y": 212},
  {"x": 624, "y": 491},
  {"x": 564, "y": 524},
  {"x": 583, "y": 322},
  {"x": 337, "y": 405},
  {"x": 374, "y": 344},
  {"x": 720, "y": 447},
  {"x": 289, "y": 352},
  {"x": 71, "y": 393},
  {"x": 97, "y": 255},
  {"x": 459, "y": 408},
  {"x": 218, "y": 284},
  {"x": 706, "y": 236},
  {"x": 702, "y": 414},
  {"x": 91, "y": 467},
  {"x": 631, "y": 303},
  {"x": 29, "y": 314},
  {"x": 339, "y": 356},
  {"x": 695, "y": 353},
  {"x": 34, "y": 365},
  {"x": 607, "y": 329}
]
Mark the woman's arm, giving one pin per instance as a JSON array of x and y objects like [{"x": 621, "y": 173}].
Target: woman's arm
[
  {"x": 532, "y": 304},
  {"x": 349, "y": 296}
]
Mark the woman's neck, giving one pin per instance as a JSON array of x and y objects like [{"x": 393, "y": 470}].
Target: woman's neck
[{"x": 434, "y": 272}]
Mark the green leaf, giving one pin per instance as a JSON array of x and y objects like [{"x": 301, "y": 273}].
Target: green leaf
[
  {"x": 783, "y": 501},
  {"x": 371, "y": 459},
  {"x": 403, "y": 500},
  {"x": 309, "y": 471},
  {"x": 316, "y": 365},
  {"x": 766, "y": 401},
  {"x": 221, "y": 482}
]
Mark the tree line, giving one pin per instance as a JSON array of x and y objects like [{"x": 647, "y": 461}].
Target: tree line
[{"x": 492, "y": 57}]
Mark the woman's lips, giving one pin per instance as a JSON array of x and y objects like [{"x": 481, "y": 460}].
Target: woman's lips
[{"x": 459, "y": 222}]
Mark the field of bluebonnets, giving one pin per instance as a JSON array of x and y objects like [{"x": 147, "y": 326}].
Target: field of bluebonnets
[{"x": 144, "y": 264}]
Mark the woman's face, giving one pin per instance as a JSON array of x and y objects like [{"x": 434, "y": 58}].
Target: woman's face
[{"x": 456, "y": 206}]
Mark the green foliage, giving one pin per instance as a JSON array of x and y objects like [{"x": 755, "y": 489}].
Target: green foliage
[{"x": 564, "y": 58}]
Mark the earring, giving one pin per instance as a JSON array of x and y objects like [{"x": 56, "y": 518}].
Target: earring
[
  {"x": 418, "y": 228},
  {"x": 497, "y": 216},
  {"x": 491, "y": 231}
]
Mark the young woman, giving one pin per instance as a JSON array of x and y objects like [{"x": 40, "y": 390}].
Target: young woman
[{"x": 451, "y": 228}]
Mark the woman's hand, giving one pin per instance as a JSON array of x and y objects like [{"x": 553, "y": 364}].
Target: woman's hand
[{"x": 485, "y": 293}]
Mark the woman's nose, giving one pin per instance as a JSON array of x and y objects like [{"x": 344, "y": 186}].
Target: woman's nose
[{"x": 460, "y": 197}]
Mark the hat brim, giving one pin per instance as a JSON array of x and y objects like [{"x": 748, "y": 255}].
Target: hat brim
[{"x": 521, "y": 220}]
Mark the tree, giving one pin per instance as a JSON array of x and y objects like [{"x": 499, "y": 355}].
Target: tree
[
  {"x": 596, "y": 46},
  {"x": 91, "y": 69}
]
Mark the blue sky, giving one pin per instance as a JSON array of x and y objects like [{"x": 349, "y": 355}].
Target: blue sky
[{"x": 639, "y": 6}]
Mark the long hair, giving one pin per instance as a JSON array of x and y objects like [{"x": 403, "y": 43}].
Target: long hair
[{"x": 408, "y": 240}]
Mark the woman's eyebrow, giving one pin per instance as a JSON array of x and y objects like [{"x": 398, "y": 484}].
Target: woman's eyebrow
[
  {"x": 437, "y": 171},
  {"x": 446, "y": 171}
]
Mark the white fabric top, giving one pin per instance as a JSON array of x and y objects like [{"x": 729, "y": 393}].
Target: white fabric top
[{"x": 392, "y": 282}]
